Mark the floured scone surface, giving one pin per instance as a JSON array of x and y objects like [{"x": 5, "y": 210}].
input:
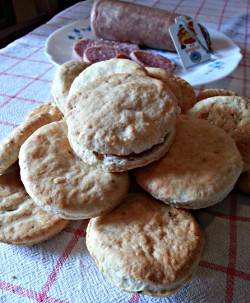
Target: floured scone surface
[
  {"x": 231, "y": 113},
  {"x": 9, "y": 148},
  {"x": 21, "y": 220},
  {"x": 145, "y": 246},
  {"x": 60, "y": 182},
  {"x": 65, "y": 75},
  {"x": 212, "y": 92},
  {"x": 121, "y": 114},
  {"x": 199, "y": 170},
  {"x": 182, "y": 90},
  {"x": 188, "y": 95},
  {"x": 103, "y": 69},
  {"x": 167, "y": 78},
  {"x": 48, "y": 109}
]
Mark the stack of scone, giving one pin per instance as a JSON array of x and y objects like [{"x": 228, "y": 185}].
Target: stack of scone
[{"x": 117, "y": 116}]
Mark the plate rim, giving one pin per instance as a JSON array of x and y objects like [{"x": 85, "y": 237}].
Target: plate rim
[{"x": 63, "y": 28}]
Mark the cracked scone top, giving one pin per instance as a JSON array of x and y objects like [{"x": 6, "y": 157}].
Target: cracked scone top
[
  {"x": 64, "y": 76},
  {"x": 231, "y": 113},
  {"x": 145, "y": 246},
  {"x": 58, "y": 181},
  {"x": 120, "y": 115},
  {"x": 21, "y": 220},
  {"x": 183, "y": 91},
  {"x": 10, "y": 146},
  {"x": 199, "y": 170},
  {"x": 103, "y": 69}
]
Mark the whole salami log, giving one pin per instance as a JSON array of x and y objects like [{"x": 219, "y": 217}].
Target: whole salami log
[{"x": 128, "y": 22}]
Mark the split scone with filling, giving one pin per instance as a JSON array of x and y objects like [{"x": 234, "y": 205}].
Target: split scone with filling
[{"x": 121, "y": 121}]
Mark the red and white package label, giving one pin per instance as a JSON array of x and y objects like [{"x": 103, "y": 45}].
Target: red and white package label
[{"x": 189, "y": 41}]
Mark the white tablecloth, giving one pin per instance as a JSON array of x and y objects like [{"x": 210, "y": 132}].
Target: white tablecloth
[{"x": 61, "y": 270}]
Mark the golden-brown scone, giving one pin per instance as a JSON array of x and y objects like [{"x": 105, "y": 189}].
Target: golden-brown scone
[
  {"x": 182, "y": 90},
  {"x": 64, "y": 76},
  {"x": 104, "y": 69},
  {"x": 58, "y": 181},
  {"x": 188, "y": 94},
  {"x": 163, "y": 75},
  {"x": 46, "y": 109},
  {"x": 145, "y": 246},
  {"x": 199, "y": 170},
  {"x": 21, "y": 220},
  {"x": 213, "y": 92},
  {"x": 158, "y": 73},
  {"x": 120, "y": 115},
  {"x": 9, "y": 147},
  {"x": 231, "y": 113}
]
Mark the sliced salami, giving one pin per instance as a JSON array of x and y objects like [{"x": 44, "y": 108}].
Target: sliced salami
[
  {"x": 152, "y": 60},
  {"x": 99, "y": 53},
  {"x": 79, "y": 48},
  {"x": 81, "y": 45},
  {"x": 123, "y": 56},
  {"x": 125, "y": 48}
]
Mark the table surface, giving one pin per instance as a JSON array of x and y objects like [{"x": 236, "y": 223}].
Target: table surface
[{"x": 61, "y": 270}]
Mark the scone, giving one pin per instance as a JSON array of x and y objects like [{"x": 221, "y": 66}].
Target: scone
[
  {"x": 188, "y": 94},
  {"x": 21, "y": 220},
  {"x": 183, "y": 91},
  {"x": 213, "y": 92},
  {"x": 121, "y": 121},
  {"x": 200, "y": 169},
  {"x": 145, "y": 246},
  {"x": 9, "y": 147},
  {"x": 58, "y": 181},
  {"x": 231, "y": 113},
  {"x": 102, "y": 69},
  {"x": 167, "y": 78},
  {"x": 64, "y": 76}
]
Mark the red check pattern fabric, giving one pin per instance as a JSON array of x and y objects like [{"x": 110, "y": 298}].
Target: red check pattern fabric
[{"x": 61, "y": 270}]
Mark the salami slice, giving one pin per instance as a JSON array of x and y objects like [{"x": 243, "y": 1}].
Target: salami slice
[
  {"x": 125, "y": 48},
  {"x": 99, "y": 53},
  {"x": 81, "y": 45},
  {"x": 152, "y": 60},
  {"x": 123, "y": 56},
  {"x": 79, "y": 48}
]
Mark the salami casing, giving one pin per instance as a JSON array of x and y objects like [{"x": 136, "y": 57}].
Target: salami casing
[{"x": 133, "y": 23}]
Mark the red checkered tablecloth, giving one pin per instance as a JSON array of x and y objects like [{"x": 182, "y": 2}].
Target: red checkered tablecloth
[{"x": 61, "y": 270}]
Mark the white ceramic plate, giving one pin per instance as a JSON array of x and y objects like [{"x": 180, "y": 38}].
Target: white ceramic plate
[{"x": 225, "y": 59}]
